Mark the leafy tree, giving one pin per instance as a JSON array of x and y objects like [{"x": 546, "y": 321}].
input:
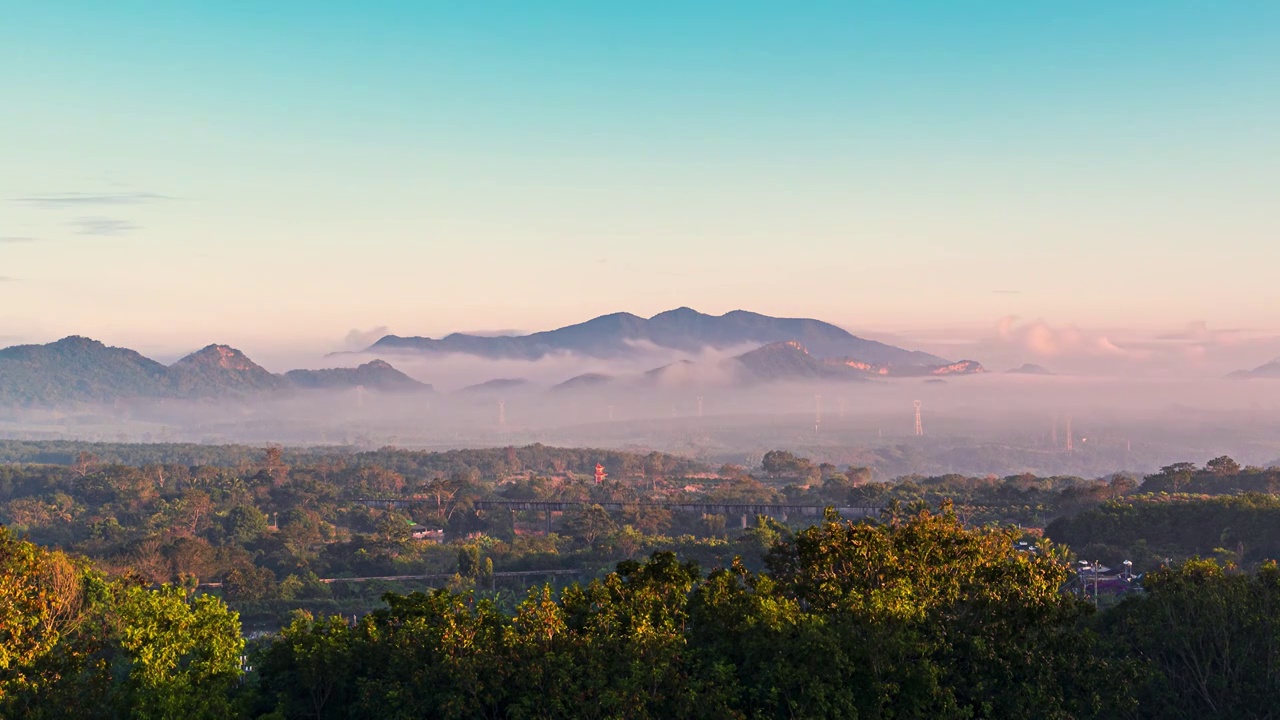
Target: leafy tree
[
  {"x": 934, "y": 614},
  {"x": 780, "y": 462},
  {"x": 310, "y": 669},
  {"x": 73, "y": 639},
  {"x": 469, "y": 561},
  {"x": 1209, "y": 639},
  {"x": 393, "y": 528},
  {"x": 42, "y": 598},
  {"x": 1222, "y": 466},
  {"x": 243, "y": 524},
  {"x": 589, "y": 524},
  {"x": 180, "y": 657},
  {"x": 249, "y": 583}
]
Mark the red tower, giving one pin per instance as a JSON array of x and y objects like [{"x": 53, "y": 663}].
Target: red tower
[{"x": 600, "y": 473}]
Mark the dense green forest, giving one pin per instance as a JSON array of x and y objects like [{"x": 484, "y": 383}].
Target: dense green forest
[
  {"x": 916, "y": 617},
  {"x": 956, "y": 598}
]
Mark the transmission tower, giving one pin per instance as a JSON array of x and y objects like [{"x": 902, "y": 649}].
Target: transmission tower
[
  {"x": 840, "y": 408},
  {"x": 817, "y": 412},
  {"x": 502, "y": 413},
  {"x": 919, "y": 426},
  {"x": 1071, "y": 444},
  {"x": 1054, "y": 440},
  {"x": 699, "y": 406},
  {"x": 610, "y": 413}
]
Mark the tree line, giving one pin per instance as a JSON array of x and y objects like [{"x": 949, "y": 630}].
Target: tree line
[{"x": 914, "y": 617}]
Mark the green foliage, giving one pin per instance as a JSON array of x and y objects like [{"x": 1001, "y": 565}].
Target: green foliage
[
  {"x": 76, "y": 369},
  {"x": 73, "y": 639},
  {"x": 918, "y": 619},
  {"x": 244, "y": 524},
  {"x": 781, "y": 462},
  {"x": 41, "y": 602},
  {"x": 469, "y": 561},
  {"x": 249, "y": 583},
  {"x": 590, "y": 524},
  {"x": 179, "y": 656},
  {"x": 1208, "y": 639},
  {"x": 1148, "y": 529},
  {"x": 923, "y": 614}
]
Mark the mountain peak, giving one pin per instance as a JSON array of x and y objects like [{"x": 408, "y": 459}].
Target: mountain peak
[
  {"x": 79, "y": 340},
  {"x": 680, "y": 312},
  {"x": 76, "y": 369},
  {"x": 1029, "y": 369},
  {"x": 220, "y": 356},
  {"x": 215, "y": 370},
  {"x": 373, "y": 375},
  {"x": 1270, "y": 370},
  {"x": 585, "y": 380}
]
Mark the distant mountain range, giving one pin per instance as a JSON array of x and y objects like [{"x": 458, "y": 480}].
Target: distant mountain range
[
  {"x": 1269, "y": 371},
  {"x": 79, "y": 370},
  {"x": 620, "y": 334},
  {"x": 787, "y": 361}
]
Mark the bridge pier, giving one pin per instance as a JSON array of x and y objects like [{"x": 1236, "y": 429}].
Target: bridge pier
[{"x": 744, "y": 521}]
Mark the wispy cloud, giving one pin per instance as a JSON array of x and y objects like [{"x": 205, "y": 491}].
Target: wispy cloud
[
  {"x": 102, "y": 226},
  {"x": 56, "y": 200},
  {"x": 7, "y": 279},
  {"x": 13, "y": 240},
  {"x": 1044, "y": 340},
  {"x": 359, "y": 339},
  {"x": 1199, "y": 332},
  {"x": 1192, "y": 349}
]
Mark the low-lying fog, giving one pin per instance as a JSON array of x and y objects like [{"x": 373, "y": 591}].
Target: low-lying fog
[{"x": 992, "y": 423}]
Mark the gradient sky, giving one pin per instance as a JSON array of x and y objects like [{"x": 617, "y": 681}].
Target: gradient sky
[{"x": 174, "y": 173}]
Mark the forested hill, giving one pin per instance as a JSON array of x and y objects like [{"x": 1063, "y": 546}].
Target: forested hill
[
  {"x": 683, "y": 329},
  {"x": 81, "y": 370}
]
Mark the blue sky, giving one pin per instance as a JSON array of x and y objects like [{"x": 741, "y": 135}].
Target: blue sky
[{"x": 175, "y": 173}]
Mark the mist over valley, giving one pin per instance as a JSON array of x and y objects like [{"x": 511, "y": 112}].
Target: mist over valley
[{"x": 721, "y": 389}]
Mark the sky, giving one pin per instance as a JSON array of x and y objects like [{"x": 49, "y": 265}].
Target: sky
[{"x": 281, "y": 174}]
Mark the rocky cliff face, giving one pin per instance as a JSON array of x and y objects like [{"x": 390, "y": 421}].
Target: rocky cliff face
[{"x": 219, "y": 370}]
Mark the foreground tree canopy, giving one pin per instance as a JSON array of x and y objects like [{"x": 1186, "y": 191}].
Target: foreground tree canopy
[
  {"x": 914, "y": 617},
  {"x": 73, "y": 641}
]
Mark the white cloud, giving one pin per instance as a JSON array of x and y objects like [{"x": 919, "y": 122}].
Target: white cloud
[
  {"x": 359, "y": 339},
  {"x": 1042, "y": 340},
  {"x": 1193, "y": 349}
]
